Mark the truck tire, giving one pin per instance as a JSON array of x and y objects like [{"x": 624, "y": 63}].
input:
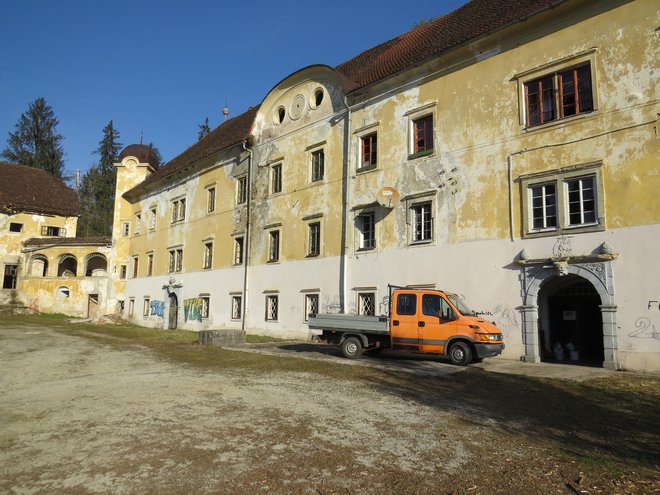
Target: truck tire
[
  {"x": 460, "y": 354},
  {"x": 351, "y": 348}
]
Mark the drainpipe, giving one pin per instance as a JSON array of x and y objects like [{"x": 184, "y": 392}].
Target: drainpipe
[
  {"x": 248, "y": 237},
  {"x": 509, "y": 162},
  {"x": 345, "y": 220}
]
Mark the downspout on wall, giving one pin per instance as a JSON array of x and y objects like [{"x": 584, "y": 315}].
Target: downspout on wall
[
  {"x": 343, "y": 266},
  {"x": 248, "y": 237}
]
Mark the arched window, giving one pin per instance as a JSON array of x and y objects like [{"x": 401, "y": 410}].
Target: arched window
[
  {"x": 96, "y": 265},
  {"x": 67, "y": 266},
  {"x": 38, "y": 266}
]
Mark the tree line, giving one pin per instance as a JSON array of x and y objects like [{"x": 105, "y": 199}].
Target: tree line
[{"x": 36, "y": 142}]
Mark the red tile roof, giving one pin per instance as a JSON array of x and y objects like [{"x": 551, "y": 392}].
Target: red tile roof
[
  {"x": 32, "y": 190},
  {"x": 473, "y": 20},
  {"x": 227, "y": 134}
]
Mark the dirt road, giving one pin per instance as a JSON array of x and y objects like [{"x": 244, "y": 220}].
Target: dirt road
[{"x": 79, "y": 416}]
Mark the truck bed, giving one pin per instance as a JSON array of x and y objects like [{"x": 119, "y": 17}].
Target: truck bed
[{"x": 343, "y": 323}]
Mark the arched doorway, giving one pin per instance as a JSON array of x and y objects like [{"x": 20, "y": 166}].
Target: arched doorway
[
  {"x": 173, "y": 312},
  {"x": 570, "y": 321}
]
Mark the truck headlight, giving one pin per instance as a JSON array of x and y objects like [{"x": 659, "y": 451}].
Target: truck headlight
[{"x": 489, "y": 337}]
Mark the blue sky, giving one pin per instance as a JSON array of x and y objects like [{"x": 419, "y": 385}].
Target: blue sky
[{"x": 162, "y": 67}]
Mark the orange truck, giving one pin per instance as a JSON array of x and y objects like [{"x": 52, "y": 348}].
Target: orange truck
[{"x": 419, "y": 320}]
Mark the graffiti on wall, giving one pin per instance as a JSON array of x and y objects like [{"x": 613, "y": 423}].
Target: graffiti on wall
[
  {"x": 645, "y": 325},
  {"x": 158, "y": 308},
  {"x": 192, "y": 309}
]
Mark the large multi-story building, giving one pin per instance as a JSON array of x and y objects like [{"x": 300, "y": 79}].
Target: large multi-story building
[{"x": 506, "y": 151}]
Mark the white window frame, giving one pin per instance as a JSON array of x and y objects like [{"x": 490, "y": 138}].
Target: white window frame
[
  {"x": 272, "y": 307},
  {"x": 138, "y": 224},
  {"x": 241, "y": 190},
  {"x": 276, "y": 178},
  {"x": 210, "y": 199},
  {"x": 311, "y": 301},
  {"x": 152, "y": 218},
  {"x": 125, "y": 229},
  {"x": 178, "y": 209},
  {"x": 239, "y": 249},
  {"x": 312, "y": 168},
  {"x": 236, "y": 306},
  {"x": 426, "y": 217},
  {"x": 413, "y": 116},
  {"x": 208, "y": 255},
  {"x": 146, "y": 310},
  {"x": 274, "y": 248},
  {"x": 362, "y": 297},
  {"x": 314, "y": 237},
  {"x": 363, "y": 245}
]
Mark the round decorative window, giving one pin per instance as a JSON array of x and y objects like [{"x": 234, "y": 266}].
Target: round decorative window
[{"x": 297, "y": 107}]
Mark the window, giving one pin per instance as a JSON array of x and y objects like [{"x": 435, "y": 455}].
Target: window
[
  {"x": 406, "y": 304},
  {"x": 271, "y": 307},
  {"x": 276, "y": 178},
  {"x": 53, "y": 231},
  {"x": 568, "y": 198},
  {"x": 150, "y": 264},
  {"x": 314, "y": 245},
  {"x": 146, "y": 309},
  {"x": 136, "y": 264},
  {"x": 558, "y": 95},
  {"x": 422, "y": 222},
  {"x": 241, "y": 190},
  {"x": 210, "y": 200},
  {"x": 238, "y": 250},
  {"x": 123, "y": 269},
  {"x": 236, "y": 307},
  {"x": 178, "y": 210},
  {"x": 131, "y": 307},
  {"x": 274, "y": 245},
  {"x": 120, "y": 307},
  {"x": 206, "y": 306},
  {"x": 369, "y": 151},
  {"x": 208, "y": 255},
  {"x": 63, "y": 292},
  {"x": 152, "y": 218},
  {"x": 422, "y": 136},
  {"x": 125, "y": 229},
  {"x": 138, "y": 223},
  {"x": 366, "y": 303},
  {"x": 434, "y": 305},
  {"x": 311, "y": 305},
  {"x": 11, "y": 273},
  {"x": 366, "y": 225},
  {"x": 15, "y": 227},
  {"x": 318, "y": 165},
  {"x": 318, "y": 97},
  {"x": 176, "y": 260}
]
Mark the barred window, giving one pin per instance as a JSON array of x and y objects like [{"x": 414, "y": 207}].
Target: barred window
[
  {"x": 311, "y": 305},
  {"x": 314, "y": 246},
  {"x": 367, "y": 303},
  {"x": 271, "y": 308}
]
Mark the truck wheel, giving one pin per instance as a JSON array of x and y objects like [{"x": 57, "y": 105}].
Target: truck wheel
[
  {"x": 460, "y": 354},
  {"x": 351, "y": 348}
]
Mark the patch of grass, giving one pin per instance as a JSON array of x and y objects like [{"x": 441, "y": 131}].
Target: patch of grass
[{"x": 259, "y": 339}]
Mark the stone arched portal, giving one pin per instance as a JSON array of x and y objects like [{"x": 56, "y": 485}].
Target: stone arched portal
[{"x": 598, "y": 274}]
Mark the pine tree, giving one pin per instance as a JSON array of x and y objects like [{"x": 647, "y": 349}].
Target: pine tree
[
  {"x": 204, "y": 130},
  {"x": 97, "y": 189},
  {"x": 35, "y": 142}
]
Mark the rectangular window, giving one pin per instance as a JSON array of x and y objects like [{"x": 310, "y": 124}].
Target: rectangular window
[
  {"x": 53, "y": 231},
  {"x": 178, "y": 210},
  {"x": 366, "y": 225},
  {"x": 311, "y": 305},
  {"x": 406, "y": 304},
  {"x": 544, "y": 206},
  {"x": 138, "y": 223},
  {"x": 210, "y": 200},
  {"x": 274, "y": 245},
  {"x": 176, "y": 260},
  {"x": 206, "y": 306},
  {"x": 15, "y": 227},
  {"x": 276, "y": 179},
  {"x": 369, "y": 154},
  {"x": 125, "y": 229},
  {"x": 422, "y": 135},
  {"x": 366, "y": 303},
  {"x": 272, "y": 304},
  {"x": 152, "y": 218},
  {"x": 241, "y": 190},
  {"x": 581, "y": 200},
  {"x": 314, "y": 244},
  {"x": 131, "y": 307},
  {"x": 208, "y": 255},
  {"x": 558, "y": 200},
  {"x": 146, "y": 310},
  {"x": 136, "y": 265},
  {"x": 422, "y": 222},
  {"x": 123, "y": 270},
  {"x": 559, "y": 95},
  {"x": 238, "y": 250},
  {"x": 150, "y": 264},
  {"x": 11, "y": 274},
  {"x": 120, "y": 307},
  {"x": 236, "y": 307},
  {"x": 318, "y": 165}
]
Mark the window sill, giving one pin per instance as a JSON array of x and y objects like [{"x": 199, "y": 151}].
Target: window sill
[
  {"x": 574, "y": 229},
  {"x": 365, "y": 249},
  {"x": 420, "y": 154},
  {"x": 422, "y": 242},
  {"x": 312, "y": 256},
  {"x": 562, "y": 121},
  {"x": 273, "y": 262},
  {"x": 366, "y": 168}
]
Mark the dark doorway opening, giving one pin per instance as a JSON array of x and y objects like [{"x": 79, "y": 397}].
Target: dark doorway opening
[
  {"x": 11, "y": 275},
  {"x": 571, "y": 322},
  {"x": 173, "y": 313}
]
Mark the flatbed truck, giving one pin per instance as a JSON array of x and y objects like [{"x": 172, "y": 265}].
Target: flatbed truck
[{"x": 418, "y": 320}]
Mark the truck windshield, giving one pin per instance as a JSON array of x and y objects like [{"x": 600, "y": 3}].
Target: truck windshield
[{"x": 460, "y": 305}]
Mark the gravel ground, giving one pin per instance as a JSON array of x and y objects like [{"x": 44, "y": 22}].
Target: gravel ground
[{"x": 82, "y": 417}]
